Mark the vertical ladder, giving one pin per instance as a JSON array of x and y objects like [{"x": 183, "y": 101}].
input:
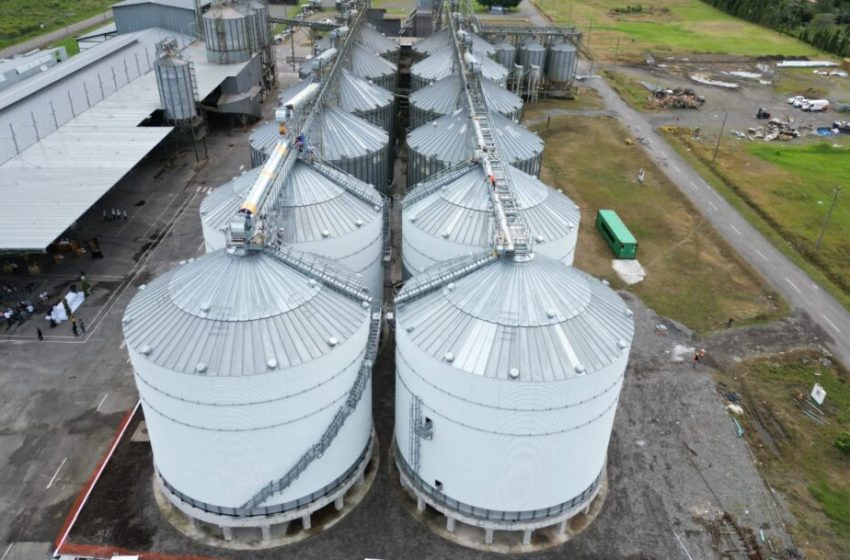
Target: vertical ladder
[{"x": 415, "y": 444}]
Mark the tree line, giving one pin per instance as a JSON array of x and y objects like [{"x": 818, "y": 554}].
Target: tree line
[{"x": 824, "y": 24}]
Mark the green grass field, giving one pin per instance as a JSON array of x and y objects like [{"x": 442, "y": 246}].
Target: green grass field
[
  {"x": 795, "y": 453},
  {"x": 693, "y": 276},
  {"x": 668, "y": 27},
  {"x": 24, "y": 19}
]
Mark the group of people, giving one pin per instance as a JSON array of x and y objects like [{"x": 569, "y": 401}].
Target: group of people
[{"x": 114, "y": 214}]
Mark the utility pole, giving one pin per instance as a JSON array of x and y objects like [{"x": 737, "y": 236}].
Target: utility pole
[
  {"x": 828, "y": 216},
  {"x": 719, "y": 136}
]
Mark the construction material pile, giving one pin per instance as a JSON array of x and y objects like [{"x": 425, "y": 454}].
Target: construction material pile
[{"x": 678, "y": 98}]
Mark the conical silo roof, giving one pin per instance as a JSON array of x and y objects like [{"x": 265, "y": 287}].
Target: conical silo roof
[
  {"x": 441, "y": 39},
  {"x": 343, "y": 135},
  {"x": 377, "y": 43},
  {"x": 358, "y": 95},
  {"x": 530, "y": 320},
  {"x": 233, "y": 313},
  {"x": 450, "y": 139},
  {"x": 313, "y": 207},
  {"x": 458, "y": 218},
  {"x": 445, "y": 96},
  {"x": 262, "y": 140},
  {"x": 441, "y": 64},
  {"x": 372, "y": 67}
]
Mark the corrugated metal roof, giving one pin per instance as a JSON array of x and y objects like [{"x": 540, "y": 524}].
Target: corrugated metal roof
[
  {"x": 356, "y": 94},
  {"x": 441, "y": 39},
  {"x": 343, "y": 135},
  {"x": 53, "y": 181},
  {"x": 450, "y": 139},
  {"x": 234, "y": 311},
  {"x": 367, "y": 64},
  {"x": 313, "y": 206},
  {"x": 373, "y": 41},
  {"x": 539, "y": 316},
  {"x": 444, "y": 97},
  {"x": 184, "y": 4},
  {"x": 461, "y": 212},
  {"x": 441, "y": 64}
]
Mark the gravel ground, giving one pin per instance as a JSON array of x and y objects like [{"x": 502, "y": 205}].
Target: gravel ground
[{"x": 680, "y": 478}]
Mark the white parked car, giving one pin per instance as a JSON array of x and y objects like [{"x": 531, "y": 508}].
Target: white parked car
[{"x": 796, "y": 100}]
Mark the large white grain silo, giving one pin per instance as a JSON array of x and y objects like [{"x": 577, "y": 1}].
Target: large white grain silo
[
  {"x": 442, "y": 63},
  {"x": 508, "y": 374},
  {"x": 453, "y": 216},
  {"x": 320, "y": 210},
  {"x": 253, "y": 368}
]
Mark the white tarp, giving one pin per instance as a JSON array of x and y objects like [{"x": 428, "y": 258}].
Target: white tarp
[{"x": 58, "y": 313}]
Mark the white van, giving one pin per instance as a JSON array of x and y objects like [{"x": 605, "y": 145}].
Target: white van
[{"x": 816, "y": 105}]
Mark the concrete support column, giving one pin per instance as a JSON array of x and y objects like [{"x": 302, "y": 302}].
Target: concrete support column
[
  {"x": 192, "y": 522},
  {"x": 420, "y": 504},
  {"x": 305, "y": 521},
  {"x": 266, "y": 531},
  {"x": 587, "y": 508},
  {"x": 450, "y": 524},
  {"x": 526, "y": 536},
  {"x": 339, "y": 503},
  {"x": 562, "y": 527},
  {"x": 227, "y": 532},
  {"x": 488, "y": 536}
]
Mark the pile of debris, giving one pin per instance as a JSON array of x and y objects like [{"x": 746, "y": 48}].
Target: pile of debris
[
  {"x": 678, "y": 98},
  {"x": 780, "y": 129}
]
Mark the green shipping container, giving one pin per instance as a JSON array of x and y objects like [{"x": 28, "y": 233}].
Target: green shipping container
[{"x": 615, "y": 233}]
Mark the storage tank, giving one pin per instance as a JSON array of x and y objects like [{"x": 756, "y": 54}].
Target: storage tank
[
  {"x": 446, "y": 218},
  {"x": 505, "y": 54},
  {"x": 322, "y": 211},
  {"x": 242, "y": 361},
  {"x": 366, "y": 100},
  {"x": 532, "y": 53},
  {"x": 176, "y": 86},
  {"x": 372, "y": 67},
  {"x": 508, "y": 374},
  {"x": 449, "y": 140},
  {"x": 561, "y": 67},
  {"x": 259, "y": 12},
  {"x": 375, "y": 42},
  {"x": 229, "y": 34},
  {"x": 446, "y": 96},
  {"x": 442, "y": 64},
  {"x": 344, "y": 140}
]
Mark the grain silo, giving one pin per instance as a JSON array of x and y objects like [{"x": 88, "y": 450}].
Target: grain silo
[
  {"x": 368, "y": 101},
  {"x": 443, "y": 63},
  {"x": 505, "y": 53},
  {"x": 379, "y": 44},
  {"x": 508, "y": 374},
  {"x": 561, "y": 66},
  {"x": 446, "y": 96},
  {"x": 372, "y": 67},
  {"x": 453, "y": 216},
  {"x": 339, "y": 138},
  {"x": 174, "y": 80},
  {"x": 442, "y": 38},
  {"x": 449, "y": 140},
  {"x": 229, "y": 34},
  {"x": 250, "y": 365},
  {"x": 532, "y": 53},
  {"x": 320, "y": 210}
]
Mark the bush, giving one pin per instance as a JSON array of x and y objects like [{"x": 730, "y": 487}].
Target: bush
[{"x": 842, "y": 442}]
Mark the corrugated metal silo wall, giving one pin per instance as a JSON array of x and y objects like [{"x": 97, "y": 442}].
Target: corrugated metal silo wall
[
  {"x": 143, "y": 16},
  {"x": 372, "y": 169}
]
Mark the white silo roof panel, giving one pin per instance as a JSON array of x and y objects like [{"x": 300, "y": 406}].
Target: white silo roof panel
[
  {"x": 539, "y": 317},
  {"x": 234, "y": 311},
  {"x": 356, "y": 94},
  {"x": 344, "y": 136}
]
